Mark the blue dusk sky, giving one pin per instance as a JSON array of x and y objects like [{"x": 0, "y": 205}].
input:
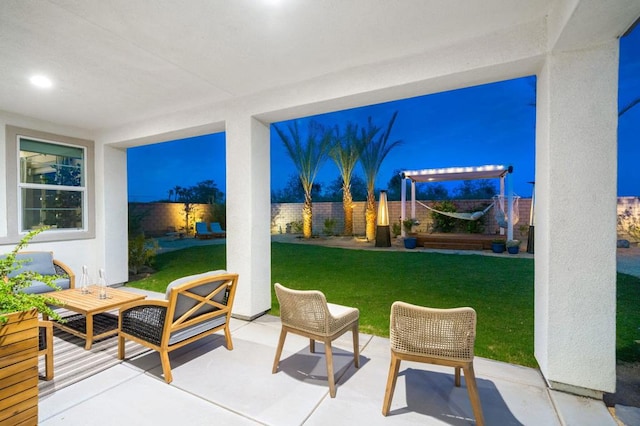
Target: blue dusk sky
[{"x": 488, "y": 124}]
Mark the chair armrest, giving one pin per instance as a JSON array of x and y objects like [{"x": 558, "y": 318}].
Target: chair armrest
[
  {"x": 145, "y": 302},
  {"x": 62, "y": 269},
  {"x": 45, "y": 324},
  {"x": 144, "y": 319}
]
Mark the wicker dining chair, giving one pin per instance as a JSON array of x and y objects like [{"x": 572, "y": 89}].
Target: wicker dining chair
[
  {"x": 436, "y": 336},
  {"x": 308, "y": 314}
]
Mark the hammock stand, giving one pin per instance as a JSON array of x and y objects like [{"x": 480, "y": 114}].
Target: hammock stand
[{"x": 504, "y": 204}]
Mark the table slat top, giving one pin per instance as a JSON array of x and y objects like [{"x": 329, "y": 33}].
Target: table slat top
[{"x": 73, "y": 299}]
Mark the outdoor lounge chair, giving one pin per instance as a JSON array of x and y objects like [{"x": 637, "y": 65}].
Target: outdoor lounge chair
[
  {"x": 216, "y": 230},
  {"x": 43, "y": 263},
  {"x": 194, "y": 307},
  {"x": 436, "y": 336},
  {"x": 308, "y": 314},
  {"x": 202, "y": 231}
]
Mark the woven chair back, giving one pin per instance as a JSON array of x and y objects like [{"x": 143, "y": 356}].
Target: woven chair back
[
  {"x": 440, "y": 333},
  {"x": 303, "y": 309}
]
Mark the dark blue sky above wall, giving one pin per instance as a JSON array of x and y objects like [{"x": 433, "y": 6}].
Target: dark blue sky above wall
[{"x": 488, "y": 124}]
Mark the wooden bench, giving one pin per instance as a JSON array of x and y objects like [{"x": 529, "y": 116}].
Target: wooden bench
[{"x": 194, "y": 307}]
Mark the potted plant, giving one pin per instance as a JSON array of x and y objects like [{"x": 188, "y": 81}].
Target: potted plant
[
  {"x": 513, "y": 246},
  {"x": 410, "y": 240},
  {"x": 498, "y": 245},
  {"x": 18, "y": 328}
]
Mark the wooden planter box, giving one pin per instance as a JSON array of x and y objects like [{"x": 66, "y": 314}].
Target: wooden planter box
[{"x": 19, "y": 369}]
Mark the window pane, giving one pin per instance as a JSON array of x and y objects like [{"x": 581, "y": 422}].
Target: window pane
[
  {"x": 50, "y": 164},
  {"x": 58, "y": 209}
]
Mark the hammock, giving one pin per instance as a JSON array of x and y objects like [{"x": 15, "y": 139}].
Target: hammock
[{"x": 464, "y": 216}]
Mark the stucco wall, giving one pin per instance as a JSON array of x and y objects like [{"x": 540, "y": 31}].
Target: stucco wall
[{"x": 74, "y": 253}]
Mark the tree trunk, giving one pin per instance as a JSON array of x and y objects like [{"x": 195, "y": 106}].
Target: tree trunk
[
  {"x": 347, "y": 201},
  {"x": 307, "y": 228},
  {"x": 370, "y": 216}
]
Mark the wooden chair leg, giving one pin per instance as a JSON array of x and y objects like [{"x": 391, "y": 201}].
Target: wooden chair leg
[
  {"x": 48, "y": 357},
  {"x": 457, "y": 377},
  {"x": 356, "y": 345},
  {"x": 474, "y": 396},
  {"x": 312, "y": 345},
  {"x": 227, "y": 337},
  {"x": 166, "y": 366},
  {"x": 276, "y": 361},
  {"x": 394, "y": 367},
  {"x": 330, "y": 377},
  {"x": 120, "y": 347}
]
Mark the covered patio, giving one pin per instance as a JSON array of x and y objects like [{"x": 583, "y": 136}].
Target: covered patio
[
  {"x": 214, "y": 385},
  {"x": 127, "y": 74}
]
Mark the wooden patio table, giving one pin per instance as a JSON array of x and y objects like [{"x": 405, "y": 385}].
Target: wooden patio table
[{"x": 93, "y": 320}]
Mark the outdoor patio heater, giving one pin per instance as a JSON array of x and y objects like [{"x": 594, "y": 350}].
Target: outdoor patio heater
[{"x": 383, "y": 235}]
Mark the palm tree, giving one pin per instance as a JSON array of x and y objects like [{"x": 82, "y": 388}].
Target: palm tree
[
  {"x": 345, "y": 153},
  {"x": 308, "y": 158},
  {"x": 372, "y": 154},
  {"x": 176, "y": 192}
]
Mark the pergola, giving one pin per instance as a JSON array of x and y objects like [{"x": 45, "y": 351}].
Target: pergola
[{"x": 459, "y": 173}]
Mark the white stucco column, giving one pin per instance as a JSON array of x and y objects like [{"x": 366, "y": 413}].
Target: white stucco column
[
  {"x": 111, "y": 214},
  {"x": 575, "y": 219},
  {"x": 249, "y": 213}
]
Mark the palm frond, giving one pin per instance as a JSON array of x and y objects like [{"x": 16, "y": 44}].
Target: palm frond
[
  {"x": 345, "y": 152},
  {"x": 374, "y": 150},
  {"x": 308, "y": 155}
]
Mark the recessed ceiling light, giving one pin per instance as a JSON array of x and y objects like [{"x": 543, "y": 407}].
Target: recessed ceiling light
[{"x": 41, "y": 81}]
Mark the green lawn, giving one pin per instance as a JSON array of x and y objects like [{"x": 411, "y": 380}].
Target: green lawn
[{"x": 499, "y": 289}]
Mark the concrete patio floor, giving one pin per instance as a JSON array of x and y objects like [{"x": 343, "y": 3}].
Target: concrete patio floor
[{"x": 213, "y": 385}]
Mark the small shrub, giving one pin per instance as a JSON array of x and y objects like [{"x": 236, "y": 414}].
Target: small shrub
[
  {"x": 140, "y": 253},
  {"x": 296, "y": 227},
  {"x": 329, "y": 226},
  {"x": 408, "y": 225},
  {"x": 396, "y": 228},
  {"x": 12, "y": 298},
  {"x": 443, "y": 223}
]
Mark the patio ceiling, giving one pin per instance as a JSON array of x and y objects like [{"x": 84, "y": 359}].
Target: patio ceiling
[{"x": 125, "y": 61}]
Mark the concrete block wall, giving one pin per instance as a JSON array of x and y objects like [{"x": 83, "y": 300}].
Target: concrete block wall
[
  {"x": 282, "y": 214},
  {"x": 164, "y": 216}
]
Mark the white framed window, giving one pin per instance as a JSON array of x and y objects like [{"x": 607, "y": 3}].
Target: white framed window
[
  {"x": 49, "y": 183},
  {"x": 52, "y": 185}
]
